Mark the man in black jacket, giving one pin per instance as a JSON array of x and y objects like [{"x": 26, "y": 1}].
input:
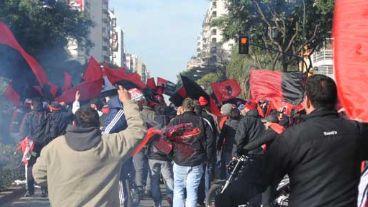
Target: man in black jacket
[
  {"x": 35, "y": 126},
  {"x": 249, "y": 129},
  {"x": 193, "y": 146},
  {"x": 322, "y": 156},
  {"x": 58, "y": 119}
]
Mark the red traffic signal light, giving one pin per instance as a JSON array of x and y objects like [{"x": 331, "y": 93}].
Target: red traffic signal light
[{"x": 243, "y": 44}]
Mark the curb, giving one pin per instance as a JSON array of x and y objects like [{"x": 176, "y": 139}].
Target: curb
[{"x": 11, "y": 193}]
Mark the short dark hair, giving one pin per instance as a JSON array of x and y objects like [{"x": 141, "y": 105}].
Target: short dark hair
[
  {"x": 188, "y": 104},
  {"x": 87, "y": 117},
  {"x": 235, "y": 114},
  {"x": 321, "y": 91},
  {"x": 37, "y": 104}
]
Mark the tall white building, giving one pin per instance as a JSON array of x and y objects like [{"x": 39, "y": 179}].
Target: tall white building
[
  {"x": 134, "y": 64},
  {"x": 117, "y": 55},
  {"x": 211, "y": 48},
  {"x": 98, "y": 12}
]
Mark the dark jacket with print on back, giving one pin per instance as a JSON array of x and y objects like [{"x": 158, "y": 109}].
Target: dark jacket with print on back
[
  {"x": 322, "y": 157},
  {"x": 198, "y": 146}
]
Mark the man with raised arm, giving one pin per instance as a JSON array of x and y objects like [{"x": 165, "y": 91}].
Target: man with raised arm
[{"x": 82, "y": 167}]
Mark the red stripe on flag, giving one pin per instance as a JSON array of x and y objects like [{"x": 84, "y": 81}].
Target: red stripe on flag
[
  {"x": 265, "y": 85},
  {"x": 12, "y": 95},
  {"x": 68, "y": 81},
  {"x": 350, "y": 32},
  {"x": 93, "y": 71},
  {"x": 88, "y": 90},
  {"x": 7, "y": 38}
]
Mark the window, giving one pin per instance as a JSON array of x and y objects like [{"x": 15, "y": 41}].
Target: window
[
  {"x": 214, "y": 14},
  {"x": 214, "y": 40},
  {"x": 214, "y": 4},
  {"x": 214, "y": 32}
]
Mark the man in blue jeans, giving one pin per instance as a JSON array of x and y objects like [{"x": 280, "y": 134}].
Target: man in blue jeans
[{"x": 191, "y": 149}]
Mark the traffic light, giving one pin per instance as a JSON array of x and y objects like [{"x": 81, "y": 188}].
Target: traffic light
[{"x": 243, "y": 44}]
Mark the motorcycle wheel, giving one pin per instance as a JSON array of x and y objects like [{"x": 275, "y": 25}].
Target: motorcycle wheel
[{"x": 211, "y": 195}]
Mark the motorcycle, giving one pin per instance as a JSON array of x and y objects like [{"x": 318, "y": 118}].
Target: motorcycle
[{"x": 235, "y": 169}]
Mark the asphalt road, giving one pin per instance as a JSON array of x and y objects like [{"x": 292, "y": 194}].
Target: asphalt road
[{"x": 38, "y": 201}]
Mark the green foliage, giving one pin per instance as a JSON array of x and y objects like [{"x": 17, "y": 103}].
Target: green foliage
[
  {"x": 280, "y": 29},
  {"x": 38, "y": 28},
  {"x": 209, "y": 78},
  {"x": 10, "y": 165},
  {"x": 44, "y": 32}
]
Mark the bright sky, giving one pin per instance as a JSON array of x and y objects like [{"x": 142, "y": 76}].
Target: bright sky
[{"x": 163, "y": 33}]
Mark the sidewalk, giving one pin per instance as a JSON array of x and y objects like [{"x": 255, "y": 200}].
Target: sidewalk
[{"x": 11, "y": 193}]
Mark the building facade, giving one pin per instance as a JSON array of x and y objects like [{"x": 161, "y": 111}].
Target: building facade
[
  {"x": 117, "y": 55},
  {"x": 136, "y": 65},
  {"x": 98, "y": 12},
  {"x": 211, "y": 48}
]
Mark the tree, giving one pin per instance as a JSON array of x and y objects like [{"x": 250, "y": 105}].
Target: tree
[
  {"x": 209, "y": 78},
  {"x": 284, "y": 30},
  {"x": 44, "y": 31}
]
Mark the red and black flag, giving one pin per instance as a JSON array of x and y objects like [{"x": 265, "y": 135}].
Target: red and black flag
[
  {"x": 277, "y": 87},
  {"x": 21, "y": 68},
  {"x": 151, "y": 84},
  {"x": 350, "y": 32},
  {"x": 169, "y": 87},
  {"x": 121, "y": 76},
  {"x": 192, "y": 90},
  {"x": 226, "y": 90}
]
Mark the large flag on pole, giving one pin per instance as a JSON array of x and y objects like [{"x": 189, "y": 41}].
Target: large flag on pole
[
  {"x": 276, "y": 86},
  {"x": 226, "y": 90},
  {"x": 350, "y": 32}
]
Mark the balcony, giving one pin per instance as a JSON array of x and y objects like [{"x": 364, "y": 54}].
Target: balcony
[{"x": 323, "y": 55}]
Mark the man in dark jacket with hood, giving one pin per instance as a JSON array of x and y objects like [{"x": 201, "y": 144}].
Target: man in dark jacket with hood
[
  {"x": 322, "y": 156},
  {"x": 249, "y": 129},
  {"x": 35, "y": 126}
]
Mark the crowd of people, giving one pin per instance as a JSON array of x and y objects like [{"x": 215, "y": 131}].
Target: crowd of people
[{"x": 82, "y": 152}]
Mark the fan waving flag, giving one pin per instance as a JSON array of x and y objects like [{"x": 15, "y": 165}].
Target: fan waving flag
[
  {"x": 226, "y": 90},
  {"x": 276, "y": 86},
  {"x": 350, "y": 32}
]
